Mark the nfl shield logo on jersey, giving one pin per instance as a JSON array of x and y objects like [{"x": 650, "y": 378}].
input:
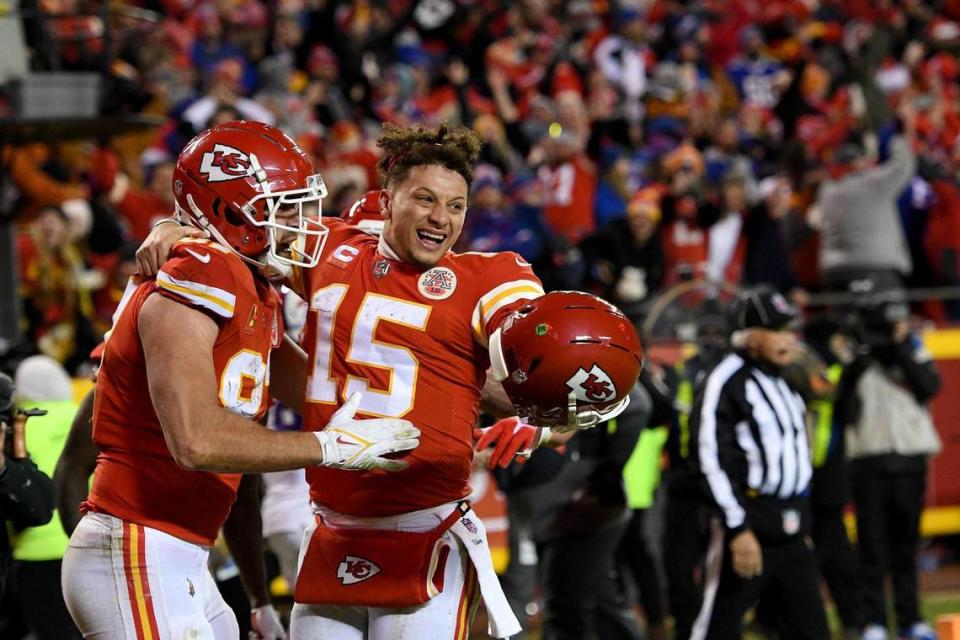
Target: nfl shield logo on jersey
[
  {"x": 438, "y": 283},
  {"x": 592, "y": 386},
  {"x": 353, "y": 569},
  {"x": 380, "y": 268},
  {"x": 791, "y": 521}
]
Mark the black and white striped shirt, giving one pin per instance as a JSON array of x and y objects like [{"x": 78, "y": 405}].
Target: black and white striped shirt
[{"x": 748, "y": 429}]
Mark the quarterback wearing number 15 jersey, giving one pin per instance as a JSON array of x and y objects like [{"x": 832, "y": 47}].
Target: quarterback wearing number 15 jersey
[
  {"x": 136, "y": 478},
  {"x": 413, "y": 342}
]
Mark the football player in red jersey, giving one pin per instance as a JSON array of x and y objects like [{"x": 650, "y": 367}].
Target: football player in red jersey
[
  {"x": 406, "y": 322},
  {"x": 184, "y": 377}
]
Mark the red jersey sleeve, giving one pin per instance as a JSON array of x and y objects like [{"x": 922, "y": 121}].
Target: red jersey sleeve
[
  {"x": 508, "y": 281},
  {"x": 200, "y": 274}
]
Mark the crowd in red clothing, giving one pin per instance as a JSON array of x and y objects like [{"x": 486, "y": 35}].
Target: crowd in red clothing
[{"x": 630, "y": 145}]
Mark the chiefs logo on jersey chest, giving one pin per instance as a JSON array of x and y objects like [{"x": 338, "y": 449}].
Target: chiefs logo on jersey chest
[
  {"x": 224, "y": 163},
  {"x": 354, "y": 569},
  {"x": 592, "y": 386}
]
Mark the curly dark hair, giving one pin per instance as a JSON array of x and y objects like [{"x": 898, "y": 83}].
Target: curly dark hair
[{"x": 455, "y": 148}]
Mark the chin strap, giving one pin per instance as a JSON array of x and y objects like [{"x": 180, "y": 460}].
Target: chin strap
[
  {"x": 498, "y": 365},
  {"x": 196, "y": 216}
]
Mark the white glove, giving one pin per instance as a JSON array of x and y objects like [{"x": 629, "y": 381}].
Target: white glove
[
  {"x": 586, "y": 418},
  {"x": 266, "y": 624},
  {"x": 360, "y": 444}
]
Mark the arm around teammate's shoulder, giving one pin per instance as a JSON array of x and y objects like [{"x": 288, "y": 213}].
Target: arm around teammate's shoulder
[{"x": 200, "y": 434}]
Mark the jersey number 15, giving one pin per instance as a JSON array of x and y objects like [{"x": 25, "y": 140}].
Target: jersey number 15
[{"x": 365, "y": 350}]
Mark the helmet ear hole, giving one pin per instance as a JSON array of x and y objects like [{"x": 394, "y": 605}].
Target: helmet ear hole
[{"x": 233, "y": 217}]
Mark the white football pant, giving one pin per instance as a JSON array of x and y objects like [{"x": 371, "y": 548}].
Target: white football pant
[{"x": 124, "y": 581}]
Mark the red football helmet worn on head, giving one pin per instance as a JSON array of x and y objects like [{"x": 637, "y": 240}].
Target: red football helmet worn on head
[
  {"x": 567, "y": 360},
  {"x": 234, "y": 179},
  {"x": 365, "y": 213}
]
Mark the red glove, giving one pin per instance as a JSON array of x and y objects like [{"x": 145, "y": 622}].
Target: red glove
[{"x": 512, "y": 439}]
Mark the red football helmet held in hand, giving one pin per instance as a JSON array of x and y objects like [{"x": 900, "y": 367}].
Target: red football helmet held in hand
[
  {"x": 567, "y": 360},
  {"x": 254, "y": 190},
  {"x": 365, "y": 213}
]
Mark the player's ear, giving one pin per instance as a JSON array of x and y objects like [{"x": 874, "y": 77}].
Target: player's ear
[{"x": 384, "y": 202}]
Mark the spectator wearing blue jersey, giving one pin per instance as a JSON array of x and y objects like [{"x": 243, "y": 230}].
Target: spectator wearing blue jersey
[
  {"x": 758, "y": 79},
  {"x": 493, "y": 225}
]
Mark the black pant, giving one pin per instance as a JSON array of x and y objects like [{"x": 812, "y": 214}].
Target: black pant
[
  {"x": 684, "y": 545},
  {"x": 519, "y": 581},
  {"x": 837, "y": 562},
  {"x": 581, "y": 588},
  {"x": 790, "y": 584},
  {"x": 36, "y": 589},
  {"x": 635, "y": 555},
  {"x": 888, "y": 504}
]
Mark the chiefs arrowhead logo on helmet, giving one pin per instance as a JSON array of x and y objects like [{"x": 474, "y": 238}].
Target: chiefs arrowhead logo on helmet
[
  {"x": 255, "y": 191},
  {"x": 592, "y": 386},
  {"x": 224, "y": 163},
  {"x": 561, "y": 343}
]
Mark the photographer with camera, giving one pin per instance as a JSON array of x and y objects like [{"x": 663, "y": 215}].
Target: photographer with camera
[
  {"x": 26, "y": 494},
  {"x": 882, "y": 398}
]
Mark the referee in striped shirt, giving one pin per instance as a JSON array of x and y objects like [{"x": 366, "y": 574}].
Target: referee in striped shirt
[{"x": 749, "y": 442}]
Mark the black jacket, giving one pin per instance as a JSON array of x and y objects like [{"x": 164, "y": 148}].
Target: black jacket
[{"x": 27, "y": 499}]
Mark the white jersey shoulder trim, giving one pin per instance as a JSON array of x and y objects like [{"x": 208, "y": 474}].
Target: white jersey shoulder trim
[
  {"x": 499, "y": 297},
  {"x": 219, "y": 301}
]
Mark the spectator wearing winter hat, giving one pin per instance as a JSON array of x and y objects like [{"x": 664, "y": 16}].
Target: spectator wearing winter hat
[
  {"x": 684, "y": 234},
  {"x": 759, "y": 79},
  {"x": 624, "y": 59},
  {"x": 625, "y": 262},
  {"x": 226, "y": 89},
  {"x": 211, "y": 48},
  {"x": 725, "y": 154},
  {"x": 38, "y": 550},
  {"x": 613, "y": 189},
  {"x": 494, "y": 225}
]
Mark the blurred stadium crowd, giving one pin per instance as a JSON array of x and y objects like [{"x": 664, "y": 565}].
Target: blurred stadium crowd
[{"x": 629, "y": 146}]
